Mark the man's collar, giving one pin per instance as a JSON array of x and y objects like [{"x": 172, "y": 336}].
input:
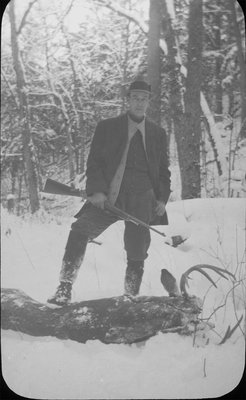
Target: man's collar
[{"x": 137, "y": 125}]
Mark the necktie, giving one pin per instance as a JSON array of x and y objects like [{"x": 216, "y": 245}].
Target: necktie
[{"x": 115, "y": 184}]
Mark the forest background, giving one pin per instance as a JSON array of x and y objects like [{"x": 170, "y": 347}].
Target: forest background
[{"x": 66, "y": 64}]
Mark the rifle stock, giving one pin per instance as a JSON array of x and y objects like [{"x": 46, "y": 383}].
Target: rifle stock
[{"x": 54, "y": 187}]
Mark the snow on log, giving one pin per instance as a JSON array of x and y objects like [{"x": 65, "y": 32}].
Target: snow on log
[{"x": 110, "y": 320}]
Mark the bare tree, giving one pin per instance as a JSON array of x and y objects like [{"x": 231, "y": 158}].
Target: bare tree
[
  {"x": 24, "y": 112},
  {"x": 78, "y": 146}
]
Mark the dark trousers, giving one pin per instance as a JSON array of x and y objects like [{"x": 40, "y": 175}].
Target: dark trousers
[{"x": 93, "y": 221}]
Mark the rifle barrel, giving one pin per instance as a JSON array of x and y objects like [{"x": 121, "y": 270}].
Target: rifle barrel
[{"x": 128, "y": 217}]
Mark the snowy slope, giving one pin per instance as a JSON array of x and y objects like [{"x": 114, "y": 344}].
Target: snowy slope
[{"x": 166, "y": 366}]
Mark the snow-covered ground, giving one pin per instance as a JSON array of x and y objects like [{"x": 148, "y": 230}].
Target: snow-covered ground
[{"x": 167, "y": 365}]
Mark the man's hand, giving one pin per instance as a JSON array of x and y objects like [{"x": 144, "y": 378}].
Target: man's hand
[
  {"x": 160, "y": 208},
  {"x": 98, "y": 199}
]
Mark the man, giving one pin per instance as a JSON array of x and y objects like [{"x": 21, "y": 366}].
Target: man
[{"x": 127, "y": 167}]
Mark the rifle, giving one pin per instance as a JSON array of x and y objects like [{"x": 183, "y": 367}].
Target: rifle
[{"x": 54, "y": 187}]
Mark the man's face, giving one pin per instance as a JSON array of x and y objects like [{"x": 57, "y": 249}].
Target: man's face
[{"x": 138, "y": 103}]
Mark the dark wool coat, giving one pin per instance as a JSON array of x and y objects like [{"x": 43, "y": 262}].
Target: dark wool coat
[{"x": 106, "y": 151}]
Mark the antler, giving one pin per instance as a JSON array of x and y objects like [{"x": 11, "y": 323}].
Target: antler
[{"x": 200, "y": 268}]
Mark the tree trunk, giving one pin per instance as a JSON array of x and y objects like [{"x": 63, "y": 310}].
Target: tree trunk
[
  {"x": 154, "y": 61},
  {"x": 28, "y": 146},
  {"x": 241, "y": 61},
  {"x": 125, "y": 58},
  {"x": 174, "y": 84},
  {"x": 110, "y": 320},
  {"x": 218, "y": 62},
  {"x": 192, "y": 119}
]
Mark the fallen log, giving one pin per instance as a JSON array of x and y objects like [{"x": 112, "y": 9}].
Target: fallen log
[{"x": 110, "y": 320}]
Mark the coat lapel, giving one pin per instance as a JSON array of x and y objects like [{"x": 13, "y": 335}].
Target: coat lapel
[
  {"x": 150, "y": 153},
  {"x": 123, "y": 127},
  {"x": 148, "y": 139}
]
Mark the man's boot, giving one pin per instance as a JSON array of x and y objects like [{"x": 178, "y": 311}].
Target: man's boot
[
  {"x": 72, "y": 260},
  {"x": 133, "y": 277}
]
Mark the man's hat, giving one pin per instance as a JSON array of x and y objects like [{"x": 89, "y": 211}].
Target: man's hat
[{"x": 140, "y": 86}]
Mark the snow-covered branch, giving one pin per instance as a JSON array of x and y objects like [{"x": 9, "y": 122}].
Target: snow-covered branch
[
  {"x": 134, "y": 17},
  {"x": 23, "y": 21},
  {"x": 45, "y": 105},
  {"x": 114, "y": 6},
  {"x": 10, "y": 88}
]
